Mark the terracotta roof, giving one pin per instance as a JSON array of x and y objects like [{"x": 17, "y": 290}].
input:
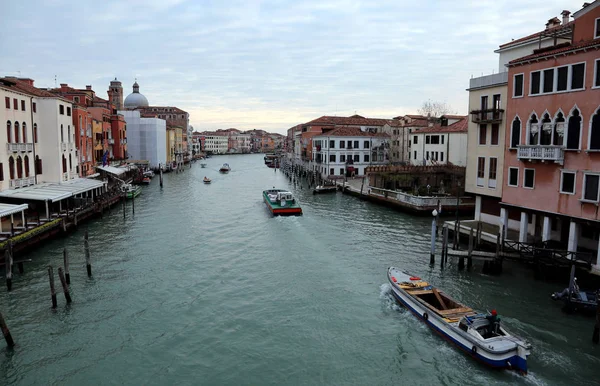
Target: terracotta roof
[
  {"x": 453, "y": 116},
  {"x": 24, "y": 87},
  {"x": 457, "y": 127},
  {"x": 161, "y": 109},
  {"x": 350, "y": 131},
  {"x": 586, "y": 44},
  {"x": 355, "y": 120},
  {"x": 537, "y": 34}
]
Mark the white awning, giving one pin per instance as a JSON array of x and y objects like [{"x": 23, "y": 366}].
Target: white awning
[
  {"x": 93, "y": 175},
  {"x": 111, "y": 170},
  {"x": 8, "y": 209},
  {"x": 53, "y": 191}
]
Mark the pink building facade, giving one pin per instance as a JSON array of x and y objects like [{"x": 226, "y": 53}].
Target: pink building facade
[{"x": 551, "y": 188}]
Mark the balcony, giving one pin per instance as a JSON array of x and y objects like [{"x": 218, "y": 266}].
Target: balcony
[
  {"x": 19, "y": 147},
  {"x": 63, "y": 146},
  {"x": 541, "y": 153},
  {"x": 487, "y": 116},
  {"x": 65, "y": 176},
  {"x": 111, "y": 141},
  {"x": 71, "y": 146},
  {"x": 22, "y": 182}
]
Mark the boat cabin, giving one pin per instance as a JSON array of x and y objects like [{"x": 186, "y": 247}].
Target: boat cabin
[{"x": 280, "y": 196}]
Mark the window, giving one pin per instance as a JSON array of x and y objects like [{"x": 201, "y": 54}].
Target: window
[
  {"x": 343, "y": 158},
  {"x": 563, "y": 76},
  {"x": 597, "y": 30},
  {"x": 416, "y": 140},
  {"x": 529, "y": 178},
  {"x": 332, "y": 144},
  {"x": 549, "y": 80},
  {"x": 484, "y": 102},
  {"x": 427, "y": 139},
  {"x": 34, "y": 107},
  {"x": 415, "y": 155},
  {"x": 493, "y": 168},
  {"x": 331, "y": 172},
  {"x": 1, "y": 171},
  {"x": 427, "y": 155},
  {"x": 24, "y": 131},
  {"x": 495, "y": 131},
  {"x": 356, "y": 158},
  {"x": 513, "y": 176},
  {"x": 595, "y": 132},
  {"x": 68, "y": 111},
  {"x": 442, "y": 138},
  {"x": 16, "y": 132},
  {"x": 482, "y": 134},
  {"x": 342, "y": 145},
  {"x": 590, "y": 187},
  {"x": 349, "y": 144},
  {"x": 11, "y": 168},
  {"x": 356, "y": 144},
  {"x": 331, "y": 157},
  {"x": 574, "y": 131},
  {"x": 496, "y": 102},
  {"x": 341, "y": 171},
  {"x": 366, "y": 158},
  {"x": 8, "y": 131},
  {"x": 534, "y": 131},
  {"x": 22, "y": 105},
  {"x": 597, "y": 72},
  {"x": 577, "y": 76},
  {"x": 442, "y": 155},
  {"x": 535, "y": 82},
  {"x": 76, "y": 99},
  {"x": 518, "y": 86},
  {"x": 567, "y": 182},
  {"x": 366, "y": 144},
  {"x": 435, "y": 139},
  {"x": 480, "y": 170},
  {"x": 7, "y": 102}
]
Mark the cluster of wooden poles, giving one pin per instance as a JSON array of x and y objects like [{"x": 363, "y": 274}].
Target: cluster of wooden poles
[{"x": 63, "y": 275}]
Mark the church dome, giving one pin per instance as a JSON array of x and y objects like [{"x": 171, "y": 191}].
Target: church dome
[{"x": 135, "y": 99}]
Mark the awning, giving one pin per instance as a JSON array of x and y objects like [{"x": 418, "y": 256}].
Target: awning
[
  {"x": 93, "y": 175},
  {"x": 111, "y": 170},
  {"x": 53, "y": 191},
  {"x": 8, "y": 209}
]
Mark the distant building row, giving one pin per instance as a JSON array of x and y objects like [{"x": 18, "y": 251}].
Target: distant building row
[{"x": 234, "y": 141}]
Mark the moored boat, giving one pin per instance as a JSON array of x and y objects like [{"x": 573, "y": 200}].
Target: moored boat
[
  {"x": 281, "y": 202},
  {"x": 206, "y": 180},
  {"x": 480, "y": 335},
  {"x": 149, "y": 173},
  {"x": 326, "y": 188},
  {"x": 225, "y": 168},
  {"x": 203, "y": 165},
  {"x": 146, "y": 180},
  {"x": 131, "y": 191}
]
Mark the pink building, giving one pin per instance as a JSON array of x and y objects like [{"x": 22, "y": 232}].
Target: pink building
[{"x": 551, "y": 188}]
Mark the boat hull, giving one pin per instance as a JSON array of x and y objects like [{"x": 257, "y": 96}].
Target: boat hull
[
  {"x": 133, "y": 193},
  {"x": 501, "y": 360},
  {"x": 277, "y": 210},
  {"x": 330, "y": 189}
]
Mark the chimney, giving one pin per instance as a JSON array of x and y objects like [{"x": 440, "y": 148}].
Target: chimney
[
  {"x": 88, "y": 87},
  {"x": 585, "y": 5},
  {"x": 27, "y": 80},
  {"x": 553, "y": 22},
  {"x": 64, "y": 85}
]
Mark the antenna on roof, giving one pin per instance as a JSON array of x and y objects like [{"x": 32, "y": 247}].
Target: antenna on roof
[{"x": 55, "y": 81}]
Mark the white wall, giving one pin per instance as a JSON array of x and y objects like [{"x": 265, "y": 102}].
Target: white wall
[
  {"x": 326, "y": 166},
  {"x": 508, "y": 54},
  {"x": 457, "y": 148},
  {"x": 454, "y": 149},
  {"x": 146, "y": 138}
]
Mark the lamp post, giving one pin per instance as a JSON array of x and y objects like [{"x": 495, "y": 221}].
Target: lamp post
[{"x": 433, "y": 232}]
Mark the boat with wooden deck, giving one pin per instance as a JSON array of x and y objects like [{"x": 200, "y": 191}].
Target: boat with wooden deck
[
  {"x": 327, "y": 187},
  {"x": 479, "y": 335},
  {"x": 281, "y": 202}
]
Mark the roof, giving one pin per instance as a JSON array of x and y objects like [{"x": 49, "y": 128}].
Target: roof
[
  {"x": 351, "y": 132},
  {"x": 8, "y": 209},
  {"x": 53, "y": 191},
  {"x": 555, "y": 29},
  {"x": 457, "y": 127},
  {"x": 355, "y": 120},
  {"x": 111, "y": 170},
  {"x": 560, "y": 50},
  {"x": 161, "y": 109},
  {"x": 24, "y": 87}
]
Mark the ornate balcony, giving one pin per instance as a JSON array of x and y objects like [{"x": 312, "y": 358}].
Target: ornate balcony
[
  {"x": 487, "y": 116},
  {"x": 19, "y": 147},
  {"x": 22, "y": 182},
  {"x": 541, "y": 153}
]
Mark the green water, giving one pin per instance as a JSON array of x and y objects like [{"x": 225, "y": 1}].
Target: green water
[{"x": 203, "y": 287}]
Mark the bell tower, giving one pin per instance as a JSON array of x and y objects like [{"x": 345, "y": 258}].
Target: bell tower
[{"x": 115, "y": 94}]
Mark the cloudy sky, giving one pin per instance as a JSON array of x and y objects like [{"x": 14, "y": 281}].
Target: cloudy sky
[{"x": 269, "y": 64}]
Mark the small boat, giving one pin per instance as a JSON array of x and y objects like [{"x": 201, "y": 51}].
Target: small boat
[
  {"x": 206, "y": 180},
  {"x": 479, "y": 335},
  {"x": 146, "y": 180},
  {"x": 577, "y": 300},
  {"x": 281, "y": 202},
  {"x": 225, "y": 168},
  {"x": 203, "y": 165},
  {"x": 131, "y": 191},
  {"x": 325, "y": 188},
  {"x": 149, "y": 173}
]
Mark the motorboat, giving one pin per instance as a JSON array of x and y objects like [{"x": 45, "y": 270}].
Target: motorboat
[
  {"x": 281, "y": 202},
  {"x": 225, "y": 168},
  {"x": 206, "y": 180}
]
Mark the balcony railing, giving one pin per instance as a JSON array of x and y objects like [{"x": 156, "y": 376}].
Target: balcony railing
[
  {"x": 19, "y": 147},
  {"x": 22, "y": 182},
  {"x": 541, "y": 152},
  {"x": 71, "y": 146},
  {"x": 487, "y": 116},
  {"x": 65, "y": 176},
  {"x": 63, "y": 146}
]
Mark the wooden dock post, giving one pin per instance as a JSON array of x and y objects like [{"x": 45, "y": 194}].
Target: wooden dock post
[
  {"x": 133, "y": 203},
  {"x": 66, "y": 261},
  {"x": 479, "y": 228},
  {"x": 52, "y": 289},
  {"x": 86, "y": 246},
  {"x": 9, "y": 340},
  {"x": 161, "y": 177},
  {"x": 455, "y": 235},
  {"x": 433, "y": 226},
  {"x": 61, "y": 276},
  {"x": 470, "y": 256},
  {"x": 124, "y": 197},
  {"x": 596, "y": 334},
  {"x": 8, "y": 262},
  {"x": 445, "y": 241}
]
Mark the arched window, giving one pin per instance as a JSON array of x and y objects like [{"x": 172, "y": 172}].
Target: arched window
[
  {"x": 38, "y": 165},
  {"x": 574, "y": 131},
  {"x": 69, "y": 133},
  {"x": 546, "y": 130},
  {"x": 35, "y": 133},
  {"x": 19, "y": 167},
  {"x": 11, "y": 168},
  {"x": 559, "y": 130},
  {"x": 17, "y": 132},
  {"x": 8, "y": 132},
  {"x": 595, "y": 131},
  {"x": 534, "y": 131},
  {"x": 64, "y": 164},
  {"x": 70, "y": 163},
  {"x": 62, "y": 134},
  {"x": 24, "y": 130},
  {"x": 26, "y": 161}
]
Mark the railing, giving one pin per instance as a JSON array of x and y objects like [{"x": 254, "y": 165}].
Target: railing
[
  {"x": 492, "y": 183},
  {"x": 541, "y": 252},
  {"x": 541, "y": 152},
  {"x": 63, "y": 146},
  {"x": 111, "y": 141},
  {"x": 22, "y": 182},
  {"x": 71, "y": 146},
  {"x": 487, "y": 116},
  {"x": 420, "y": 201},
  {"x": 65, "y": 176},
  {"x": 19, "y": 147}
]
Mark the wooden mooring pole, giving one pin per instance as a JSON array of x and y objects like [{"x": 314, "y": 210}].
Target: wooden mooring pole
[
  {"x": 8, "y": 262},
  {"x": 124, "y": 198},
  {"x": 88, "y": 260},
  {"x": 470, "y": 256},
  {"x": 61, "y": 276},
  {"x": 52, "y": 289},
  {"x": 133, "y": 203},
  {"x": 7, "y": 336},
  {"x": 433, "y": 226},
  {"x": 161, "y": 176},
  {"x": 596, "y": 334},
  {"x": 444, "y": 256},
  {"x": 66, "y": 261}
]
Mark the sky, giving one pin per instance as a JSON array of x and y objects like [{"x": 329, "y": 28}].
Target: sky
[{"x": 269, "y": 64}]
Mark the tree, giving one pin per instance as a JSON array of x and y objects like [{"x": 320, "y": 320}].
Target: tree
[{"x": 434, "y": 109}]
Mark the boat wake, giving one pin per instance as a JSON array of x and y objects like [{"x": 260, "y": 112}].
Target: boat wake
[{"x": 387, "y": 299}]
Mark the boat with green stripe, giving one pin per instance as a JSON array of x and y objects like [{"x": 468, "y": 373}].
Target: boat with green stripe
[{"x": 281, "y": 202}]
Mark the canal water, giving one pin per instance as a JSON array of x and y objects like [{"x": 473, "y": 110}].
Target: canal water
[{"x": 203, "y": 287}]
